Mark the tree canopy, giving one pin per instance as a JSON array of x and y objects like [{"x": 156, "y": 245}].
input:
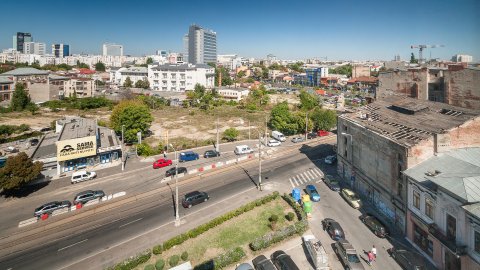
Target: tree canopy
[
  {"x": 324, "y": 119},
  {"x": 20, "y": 98},
  {"x": 412, "y": 59},
  {"x": 345, "y": 70},
  {"x": 202, "y": 98},
  {"x": 18, "y": 171},
  {"x": 145, "y": 84},
  {"x": 231, "y": 134},
  {"x": 135, "y": 115},
  {"x": 308, "y": 101},
  {"x": 128, "y": 82},
  {"x": 298, "y": 67},
  {"x": 149, "y": 61},
  {"x": 100, "y": 66}
]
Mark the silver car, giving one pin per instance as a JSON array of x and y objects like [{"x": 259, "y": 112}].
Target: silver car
[
  {"x": 348, "y": 255},
  {"x": 297, "y": 139},
  {"x": 48, "y": 208}
]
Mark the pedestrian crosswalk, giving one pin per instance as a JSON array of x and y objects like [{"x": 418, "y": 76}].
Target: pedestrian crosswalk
[{"x": 305, "y": 177}]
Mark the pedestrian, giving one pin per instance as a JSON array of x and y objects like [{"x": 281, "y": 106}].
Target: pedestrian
[
  {"x": 164, "y": 154},
  {"x": 374, "y": 251},
  {"x": 370, "y": 257}
]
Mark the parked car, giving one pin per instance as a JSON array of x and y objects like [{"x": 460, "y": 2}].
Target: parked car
[
  {"x": 374, "y": 224},
  {"x": 283, "y": 261},
  {"x": 348, "y": 255},
  {"x": 211, "y": 153},
  {"x": 406, "y": 259},
  {"x": 331, "y": 182},
  {"x": 278, "y": 136},
  {"x": 82, "y": 176},
  {"x": 188, "y": 156},
  {"x": 263, "y": 263},
  {"x": 351, "y": 198},
  {"x": 162, "y": 163},
  {"x": 297, "y": 139},
  {"x": 244, "y": 266},
  {"x": 46, "y": 129},
  {"x": 313, "y": 193},
  {"x": 194, "y": 198},
  {"x": 333, "y": 229},
  {"x": 88, "y": 195},
  {"x": 272, "y": 143},
  {"x": 322, "y": 133},
  {"x": 34, "y": 142},
  {"x": 172, "y": 171},
  {"x": 11, "y": 149},
  {"x": 242, "y": 149},
  {"x": 312, "y": 135},
  {"x": 48, "y": 208},
  {"x": 331, "y": 159}
]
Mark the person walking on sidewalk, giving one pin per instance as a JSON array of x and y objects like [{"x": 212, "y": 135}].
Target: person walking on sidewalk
[
  {"x": 370, "y": 257},
  {"x": 374, "y": 251}
]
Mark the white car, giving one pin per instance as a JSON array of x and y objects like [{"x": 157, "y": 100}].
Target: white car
[{"x": 272, "y": 143}]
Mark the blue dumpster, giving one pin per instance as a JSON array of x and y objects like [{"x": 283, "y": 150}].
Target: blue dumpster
[{"x": 296, "y": 194}]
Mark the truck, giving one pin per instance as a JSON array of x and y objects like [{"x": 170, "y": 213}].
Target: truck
[
  {"x": 316, "y": 251},
  {"x": 277, "y": 135}
]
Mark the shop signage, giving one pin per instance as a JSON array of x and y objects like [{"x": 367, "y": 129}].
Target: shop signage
[{"x": 76, "y": 148}]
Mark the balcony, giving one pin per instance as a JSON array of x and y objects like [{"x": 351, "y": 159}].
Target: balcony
[{"x": 451, "y": 244}]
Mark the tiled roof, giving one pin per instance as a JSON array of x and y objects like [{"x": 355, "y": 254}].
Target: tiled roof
[{"x": 25, "y": 71}]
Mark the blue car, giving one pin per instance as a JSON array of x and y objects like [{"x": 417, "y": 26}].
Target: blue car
[
  {"x": 188, "y": 156},
  {"x": 312, "y": 192}
]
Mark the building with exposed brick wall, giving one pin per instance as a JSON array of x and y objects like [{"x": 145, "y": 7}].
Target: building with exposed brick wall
[
  {"x": 390, "y": 135},
  {"x": 457, "y": 85}
]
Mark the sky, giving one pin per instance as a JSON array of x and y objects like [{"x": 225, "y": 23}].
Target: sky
[{"x": 337, "y": 30}]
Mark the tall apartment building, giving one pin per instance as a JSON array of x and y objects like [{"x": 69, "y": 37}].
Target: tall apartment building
[
  {"x": 34, "y": 48},
  {"x": 180, "y": 77},
  {"x": 112, "y": 49},
  {"x": 60, "y": 50},
  {"x": 202, "y": 45},
  {"x": 19, "y": 39},
  {"x": 462, "y": 58}
]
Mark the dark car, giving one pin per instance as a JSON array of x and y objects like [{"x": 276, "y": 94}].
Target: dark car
[
  {"x": 331, "y": 159},
  {"x": 244, "y": 266},
  {"x": 211, "y": 153},
  {"x": 48, "y": 208},
  {"x": 34, "y": 142},
  {"x": 377, "y": 227},
  {"x": 172, "y": 171},
  {"x": 283, "y": 261},
  {"x": 263, "y": 263},
  {"x": 46, "y": 129},
  {"x": 88, "y": 195},
  {"x": 407, "y": 260},
  {"x": 313, "y": 193},
  {"x": 188, "y": 156},
  {"x": 194, "y": 198},
  {"x": 312, "y": 135},
  {"x": 331, "y": 182},
  {"x": 333, "y": 229}
]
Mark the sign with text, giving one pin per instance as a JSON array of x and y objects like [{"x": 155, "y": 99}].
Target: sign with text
[{"x": 76, "y": 148}]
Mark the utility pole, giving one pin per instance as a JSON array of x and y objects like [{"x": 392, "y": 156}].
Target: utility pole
[
  {"x": 123, "y": 156},
  {"x": 177, "y": 217},
  {"x": 248, "y": 129},
  {"x": 218, "y": 140},
  {"x": 306, "y": 126},
  {"x": 260, "y": 162},
  {"x": 266, "y": 131}
]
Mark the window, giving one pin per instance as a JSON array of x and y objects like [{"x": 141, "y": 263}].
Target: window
[
  {"x": 399, "y": 187},
  {"x": 416, "y": 199},
  {"x": 451, "y": 227},
  {"x": 476, "y": 241},
  {"x": 429, "y": 209},
  {"x": 420, "y": 238}
]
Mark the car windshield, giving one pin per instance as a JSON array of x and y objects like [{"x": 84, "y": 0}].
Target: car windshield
[
  {"x": 354, "y": 197},
  {"x": 353, "y": 258}
]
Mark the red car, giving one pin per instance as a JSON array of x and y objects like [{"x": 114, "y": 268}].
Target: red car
[
  {"x": 321, "y": 133},
  {"x": 162, "y": 163}
]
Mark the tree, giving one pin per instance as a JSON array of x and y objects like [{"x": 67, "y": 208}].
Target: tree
[
  {"x": 281, "y": 119},
  {"x": 297, "y": 67},
  {"x": 345, "y": 70},
  {"x": 149, "y": 61},
  {"x": 241, "y": 74},
  {"x": 18, "y": 171},
  {"x": 20, "y": 98},
  {"x": 100, "y": 66},
  {"x": 32, "y": 107},
  {"x": 324, "y": 119},
  {"x": 128, "y": 83},
  {"x": 308, "y": 101},
  {"x": 142, "y": 84},
  {"x": 82, "y": 65},
  {"x": 135, "y": 115},
  {"x": 231, "y": 134},
  {"x": 412, "y": 59}
]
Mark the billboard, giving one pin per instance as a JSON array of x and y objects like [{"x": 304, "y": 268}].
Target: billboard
[{"x": 76, "y": 148}]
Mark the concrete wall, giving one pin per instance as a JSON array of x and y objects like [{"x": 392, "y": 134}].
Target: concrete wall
[
  {"x": 39, "y": 92},
  {"x": 359, "y": 71},
  {"x": 463, "y": 88},
  {"x": 412, "y": 83}
]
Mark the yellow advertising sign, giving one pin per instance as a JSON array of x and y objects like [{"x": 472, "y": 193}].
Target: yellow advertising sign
[{"x": 76, "y": 148}]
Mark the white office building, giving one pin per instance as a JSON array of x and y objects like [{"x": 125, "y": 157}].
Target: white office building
[
  {"x": 462, "y": 58},
  {"x": 112, "y": 49},
  {"x": 134, "y": 73},
  {"x": 180, "y": 77},
  {"x": 202, "y": 45},
  {"x": 34, "y": 48}
]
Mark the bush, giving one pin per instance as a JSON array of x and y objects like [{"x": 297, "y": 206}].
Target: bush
[
  {"x": 144, "y": 149},
  {"x": 160, "y": 264},
  {"x": 158, "y": 249},
  {"x": 290, "y": 216},
  {"x": 149, "y": 267},
  {"x": 133, "y": 261},
  {"x": 173, "y": 261},
  {"x": 273, "y": 218},
  {"x": 269, "y": 239},
  {"x": 231, "y": 256},
  {"x": 184, "y": 256}
]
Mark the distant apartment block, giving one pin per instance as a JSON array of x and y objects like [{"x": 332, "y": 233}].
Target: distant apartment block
[
  {"x": 19, "y": 39},
  {"x": 37, "y": 48},
  {"x": 233, "y": 93},
  {"x": 134, "y": 73},
  {"x": 311, "y": 77},
  {"x": 6, "y": 90},
  {"x": 202, "y": 45},
  {"x": 360, "y": 71},
  {"x": 112, "y": 49},
  {"x": 60, "y": 50},
  {"x": 180, "y": 77},
  {"x": 462, "y": 58}
]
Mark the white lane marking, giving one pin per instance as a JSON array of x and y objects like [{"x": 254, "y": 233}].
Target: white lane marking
[
  {"x": 291, "y": 183},
  {"x": 304, "y": 178},
  {"x": 307, "y": 176},
  {"x": 74, "y": 244},
  {"x": 311, "y": 174},
  {"x": 295, "y": 179},
  {"x": 318, "y": 171},
  {"x": 128, "y": 223},
  {"x": 314, "y": 173}
]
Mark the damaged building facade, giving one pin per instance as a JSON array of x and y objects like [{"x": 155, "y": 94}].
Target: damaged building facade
[
  {"x": 455, "y": 85},
  {"x": 384, "y": 138}
]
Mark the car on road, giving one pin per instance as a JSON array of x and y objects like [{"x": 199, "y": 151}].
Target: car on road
[
  {"x": 172, "y": 171},
  {"x": 88, "y": 195},
  {"x": 348, "y": 255},
  {"x": 330, "y": 159},
  {"x": 273, "y": 143},
  {"x": 297, "y": 139},
  {"x": 283, "y": 261},
  {"x": 34, "y": 142},
  {"x": 211, "y": 153},
  {"x": 313, "y": 193},
  {"x": 406, "y": 259},
  {"x": 351, "y": 198},
  {"x": 162, "y": 163},
  {"x": 82, "y": 176},
  {"x": 331, "y": 182},
  {"x": 374, "y": 224},
  {"x": 188, "y": 156},
  {"x": 194, "y": 198},
  {"x": 263, "y": 263},
  {"x": 48, "y": 208},
  {"x": 312, "y": 135},
  {"x": 242, "y": 149},
  {"x": 322, "y": 133},
  {"x": 333, "y": 229}
]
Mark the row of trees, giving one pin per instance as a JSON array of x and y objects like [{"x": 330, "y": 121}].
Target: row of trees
[
  {"x": 98, "y": 66},
  {"x": 128, "y": 83}
]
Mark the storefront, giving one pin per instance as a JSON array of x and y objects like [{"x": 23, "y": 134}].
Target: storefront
[{"x": 76, "y": 154}]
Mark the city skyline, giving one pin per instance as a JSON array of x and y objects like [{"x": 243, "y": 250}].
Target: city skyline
[{"x": 338, "y": 31}]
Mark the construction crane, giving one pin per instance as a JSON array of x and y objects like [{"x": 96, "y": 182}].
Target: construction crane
[{"x": 420, "y": 50}]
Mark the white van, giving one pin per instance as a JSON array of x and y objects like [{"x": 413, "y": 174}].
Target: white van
[
  {"x": 242, "y": 149},
  {"x": 278, "y": 136},
  {"x": 82, "y": 176}
]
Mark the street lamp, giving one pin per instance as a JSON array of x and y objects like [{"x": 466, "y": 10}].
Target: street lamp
[
  {"x": 123, "y": 157},
  {"x": 177, "y": 218}
]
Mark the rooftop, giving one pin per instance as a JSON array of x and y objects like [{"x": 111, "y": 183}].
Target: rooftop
[
  {"x": 408, "y": 121},
  {"x": 4, "y": 79},
  {"x": 77, "y": 128},
  {"x": 473, "y": 209},
  {"x": 180, "y": 67},
  {"x": 57, "y": 77},
  {"x": 107, "y": 138},
  {"x": 141, "y": 70},
  {"x": 456, "y": 171},
  {"x": 25, "y": 71}
]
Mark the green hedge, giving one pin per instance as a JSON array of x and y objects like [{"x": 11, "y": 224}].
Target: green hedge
[
  {"x": 222, "y": 260},
  {"x": 133, "y": 261},
  {"x": 158, "y": 249},
  {"x": 173, "y": 261},
  {"x": 160, "y": 264},
  {"x": 149, "y": 267}
]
